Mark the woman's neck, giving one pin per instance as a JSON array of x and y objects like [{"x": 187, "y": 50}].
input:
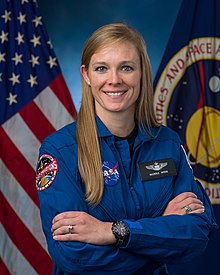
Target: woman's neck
[{"x": 119, "y": 124}]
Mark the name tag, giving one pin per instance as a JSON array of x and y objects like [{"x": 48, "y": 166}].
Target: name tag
[{"x": 157, "y": 169}]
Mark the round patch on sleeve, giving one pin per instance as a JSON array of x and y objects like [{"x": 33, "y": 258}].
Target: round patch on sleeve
[
  {"x": 110, "y": 173},
  {"x": 47, "y": 168}
]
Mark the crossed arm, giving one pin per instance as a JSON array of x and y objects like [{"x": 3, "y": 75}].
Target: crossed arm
[{"x": 88, "y": 229}]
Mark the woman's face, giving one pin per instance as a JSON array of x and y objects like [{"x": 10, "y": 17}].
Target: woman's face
[{"x": 114, "y": 74}]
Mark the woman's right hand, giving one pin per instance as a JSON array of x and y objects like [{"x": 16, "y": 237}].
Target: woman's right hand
[
  {"x": 82, "y": 227},
  {"x": 185, "y": 203}
]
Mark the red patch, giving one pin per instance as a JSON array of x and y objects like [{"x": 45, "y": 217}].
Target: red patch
[{"x": 47, "y": 169}]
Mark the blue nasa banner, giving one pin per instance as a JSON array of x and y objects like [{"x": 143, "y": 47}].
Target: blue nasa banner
[{"x": 187, "y": 99}]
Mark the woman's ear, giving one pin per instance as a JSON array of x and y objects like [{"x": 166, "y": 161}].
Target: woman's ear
[{"x": 84, "y": 73}]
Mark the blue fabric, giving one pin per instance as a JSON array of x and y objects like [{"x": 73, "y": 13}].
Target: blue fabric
[{"x": 154, "y": 239}]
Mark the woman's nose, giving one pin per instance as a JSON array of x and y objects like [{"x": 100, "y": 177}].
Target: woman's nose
[{"x": 114, "y": 77}]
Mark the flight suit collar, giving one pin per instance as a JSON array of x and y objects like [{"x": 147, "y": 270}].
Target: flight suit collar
[{"x": 103, "y": 131}]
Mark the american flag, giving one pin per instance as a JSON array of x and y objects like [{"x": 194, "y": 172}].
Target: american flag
[{"x": 34, "y": 102}]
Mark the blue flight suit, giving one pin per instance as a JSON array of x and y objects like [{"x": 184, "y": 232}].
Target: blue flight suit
[{"x": 137, "y": 191}]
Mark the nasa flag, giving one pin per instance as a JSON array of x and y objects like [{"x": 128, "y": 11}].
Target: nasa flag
[{"x": 187, "y": 98}]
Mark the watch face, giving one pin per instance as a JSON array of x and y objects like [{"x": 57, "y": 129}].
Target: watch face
[{"x": 121, "y": 229}]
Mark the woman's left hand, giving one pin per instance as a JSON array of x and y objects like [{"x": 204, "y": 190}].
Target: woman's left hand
[
  {"x": 185, "y": 203},
  {"x": 81, "y": 227}
]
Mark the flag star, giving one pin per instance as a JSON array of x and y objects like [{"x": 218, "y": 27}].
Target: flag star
[
  {"x": 12, "y": 98},
  {"x": 4, "y": 37},
  {"x": 14, "y": 79},
  {"x": 50, "y": 44},
  {"x": 34, "y": 60},
  {"x": 6, "y": 16},
  {"x": 17, "y": 58},
  {"x": 24, "y": 1},
  {"x": 32, "y": 80},
  {"x": 35, "y": 40},
  {"x": 2, "y": 57},
  {"x": 20, "y": 38},
  {"x": 37, "y": 20},
  {"x": 0, "y": 77},
  {"x": 21, "y": 18},
  {"x": 52, "y": 62}
]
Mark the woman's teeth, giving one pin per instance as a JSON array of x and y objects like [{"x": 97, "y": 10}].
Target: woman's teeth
[{"x": 115, "y": 94}]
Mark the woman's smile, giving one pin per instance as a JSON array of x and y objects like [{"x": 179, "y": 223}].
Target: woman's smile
[{"x": 115, "y": 94}]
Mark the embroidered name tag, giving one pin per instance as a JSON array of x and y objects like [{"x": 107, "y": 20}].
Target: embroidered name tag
[{"x": 157, "y": 169}]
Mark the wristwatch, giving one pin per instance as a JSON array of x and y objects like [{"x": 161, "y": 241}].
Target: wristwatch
[{"x": 121, "y": 232}]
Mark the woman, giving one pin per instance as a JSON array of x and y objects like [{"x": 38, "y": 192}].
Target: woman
[{"x": 115, "y": 188}]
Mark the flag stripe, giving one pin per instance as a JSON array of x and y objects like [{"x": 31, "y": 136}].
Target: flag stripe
[
  {"x": 25, "y": 208},
  {"x": 19, "y": 167},
  {"x": 61, "y": 90},
  {"x": 16, "y": 128},
  {"x": 17, "y": 260},
  {"x": 27, "y": 247},
  {"x": 36, "y": 121},
  {"x": 3, "y": 268},
  {"x": 53, "y": 108}
]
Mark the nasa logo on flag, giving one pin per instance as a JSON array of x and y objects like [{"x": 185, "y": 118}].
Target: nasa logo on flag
[
  {"x": 110, "y": 173},
  {"x": 47, "y": 169},
  {"x": 187, "y": 99}
]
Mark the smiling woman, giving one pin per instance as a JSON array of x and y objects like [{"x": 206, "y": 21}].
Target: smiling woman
[{"x": 123, "y": 199}]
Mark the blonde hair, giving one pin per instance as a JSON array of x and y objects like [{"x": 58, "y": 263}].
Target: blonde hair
[{"x": 89, "y": 156}]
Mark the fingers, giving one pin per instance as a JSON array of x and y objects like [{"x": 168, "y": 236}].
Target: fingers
[
  {"x": 71, "y": 225},
  {"x": 191, "y": 204},
  {"x": 190, "y": 200},
  {"x": 66, "y": 227},
  {"x": 63, "y": 230},
  {"x": 61, "y": 223},
  {"x": 65, "y": 215},
  {"x": 196, "y": 207},
  {"x": 66, "y": 237},
  {"x": 64, "y": 223},
  {"x": 80, "y": 226},
  {"x": 65, "y": 233},
  {"x": 181, "y": 197},
  {"x": 198, "y": 211},
  {"x": 66, "y": 218},
  {"x": 185, "y": 203}
]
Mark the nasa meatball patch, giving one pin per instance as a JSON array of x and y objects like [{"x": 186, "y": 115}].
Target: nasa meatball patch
[
  {"x": 110, "y": 173},
  {"x": 47, "y": 169}
]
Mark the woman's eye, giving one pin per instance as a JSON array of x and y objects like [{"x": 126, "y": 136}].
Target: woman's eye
[
  {"x": 127, "y": 68},
  {"x": 101, "y": 69}
]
